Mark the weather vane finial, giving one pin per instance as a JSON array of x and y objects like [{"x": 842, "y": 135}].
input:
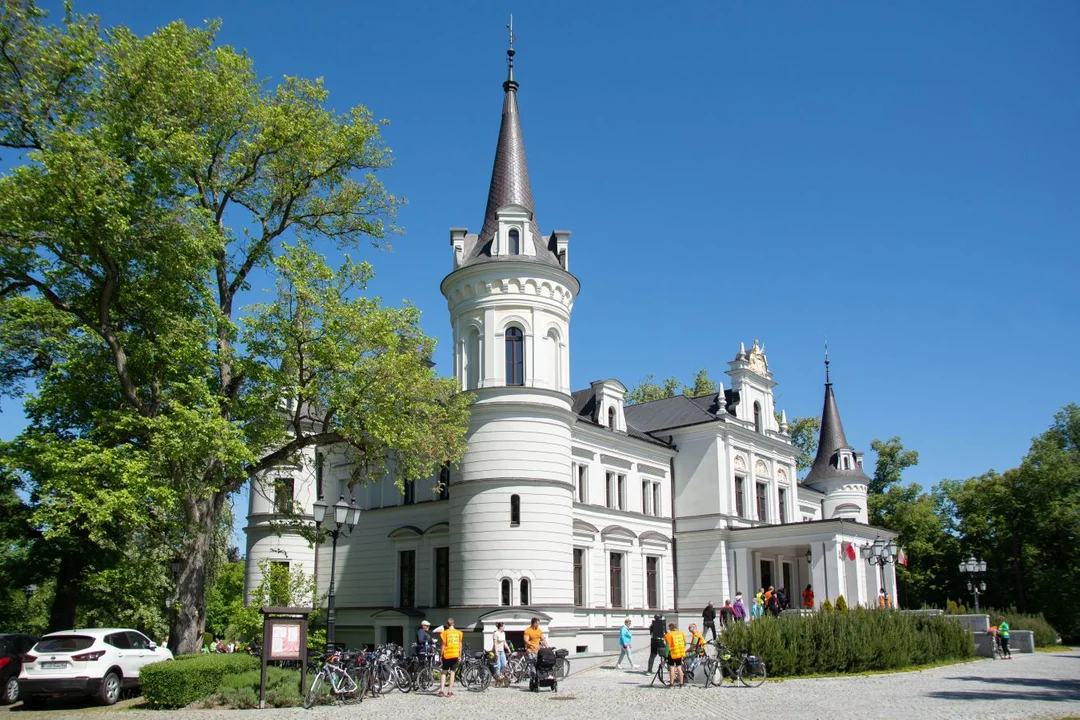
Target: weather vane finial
[
  {"x": 826, "y": 360},
  {"x": 510, "y": 84},
  {"x": 510, "y": 29}
]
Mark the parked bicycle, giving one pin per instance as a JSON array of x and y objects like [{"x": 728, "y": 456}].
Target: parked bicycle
[
  {"x": 735, "y": 667},
  {"x": 334, "y": 681}
]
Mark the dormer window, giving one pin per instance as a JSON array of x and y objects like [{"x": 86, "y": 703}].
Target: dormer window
[
  {"x": 757, "y": 417},
  {"x": 611, "y": 418},
  {"x": 515, "y": 242}
]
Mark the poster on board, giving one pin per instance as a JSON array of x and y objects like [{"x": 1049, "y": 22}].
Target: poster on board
[{"x": 285, "y": 640}]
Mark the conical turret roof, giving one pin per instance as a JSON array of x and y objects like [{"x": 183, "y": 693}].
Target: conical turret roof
[
  {"x": 510, "y": 185},
  {"x": 830, "y": 441}
]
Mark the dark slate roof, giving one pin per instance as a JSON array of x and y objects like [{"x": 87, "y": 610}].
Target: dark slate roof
[
  {"x": 830, "y": 441},
  {"x": 509, "y": 186},
  {"x": 673, "y": 412},
  {"x": 584, "y": 406}
]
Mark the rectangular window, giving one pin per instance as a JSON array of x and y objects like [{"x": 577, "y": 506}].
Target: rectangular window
[
  {"x": 622, "y": 492},
  {"x": 658, "y": 508},
  {"x": 579, "y": 577},
  {"x": 442, "y": 577},
  {"x": 582, "y": 482},
  {"x": 407, "y": 578},
  {"x": 740, "y": 503},
  {"x": 610, "y": 490},
  {"x": 444, "y": 483},
  {"x": 319, "y": 461},
  {"x": 652, "y": 594},
  {"x": 783, "y": 506},
  {"x": 616, "y": 580},
  {"x": 283, "y": 495},
  {"x": 646, "y": 497},
  {"x": 410, "y": 493},
  {"x": 762, "y": 504}
]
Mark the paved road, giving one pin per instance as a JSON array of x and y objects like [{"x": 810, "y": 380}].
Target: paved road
[{"x": 1043, "y": 685}]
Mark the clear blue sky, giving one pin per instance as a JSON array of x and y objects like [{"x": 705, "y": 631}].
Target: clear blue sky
[{"x": 901, "y": 177}]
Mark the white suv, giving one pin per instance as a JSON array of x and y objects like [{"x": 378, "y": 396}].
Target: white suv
[{"x": 99, "y": 663}]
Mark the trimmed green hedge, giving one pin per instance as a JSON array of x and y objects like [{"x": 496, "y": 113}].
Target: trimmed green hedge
[
  {"x": 241, "y": 691},
  {"x": 857, "y": 641},
  {"x": 194, "y": 677}
]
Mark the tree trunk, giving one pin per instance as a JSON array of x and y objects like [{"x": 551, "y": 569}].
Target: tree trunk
[
  {"x": 66, "y": 600},
  {"x": 187, "y": 621}
]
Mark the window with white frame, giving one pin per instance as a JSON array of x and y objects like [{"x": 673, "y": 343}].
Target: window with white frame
[
  {"x": 740, "y": 496},
  {"x": 615, "y": 575},
  {"x": 658, "y": 504},
  {"x": 579, "y": 577},
  {"x": 504, "y": 592},
  {"x": 650, "y": 497},
  {"x": 652, "y": 582},
  {"x": 620, "y": 491},
  {"x": 762, "y": 501},
  {"x": 582, "y": 482}
]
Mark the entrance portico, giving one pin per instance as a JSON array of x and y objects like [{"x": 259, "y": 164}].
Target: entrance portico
[{"x": 809, "y": 553}]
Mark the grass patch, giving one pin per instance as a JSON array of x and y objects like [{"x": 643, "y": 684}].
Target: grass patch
[
  {"x": 1054, "y": 648},
  {"x": 866, "y": 673}
]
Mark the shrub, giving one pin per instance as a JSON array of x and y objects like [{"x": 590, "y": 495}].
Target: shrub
[
  {"x": 1045, "y": 634},
  {"x": 241, "y": 690},
  {"x": 195, "y": 677},
  {"x": 841, "y": 604},
  {"x": 827, "y": 606},
  {"x": 839, "y": 642}
]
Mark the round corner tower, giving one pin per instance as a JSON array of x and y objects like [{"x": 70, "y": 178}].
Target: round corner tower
[{"x": 509, "y": 296}]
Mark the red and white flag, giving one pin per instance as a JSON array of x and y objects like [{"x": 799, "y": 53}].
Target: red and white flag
[
  {"x": 850, "y": 551},
  {"x": 901, "y": 557}
]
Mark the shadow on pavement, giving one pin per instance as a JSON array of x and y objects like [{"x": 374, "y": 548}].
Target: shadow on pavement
[{"x": 1014, "y": 689}]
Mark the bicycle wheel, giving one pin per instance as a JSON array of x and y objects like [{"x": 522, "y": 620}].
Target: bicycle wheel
[
  {"x": 349, "y": 689},
  {"x": 318, "y": 691},
  {"x": 661, "y": 675},
  {"x": 386, "y": 678},
  {"x": 752, "y": 675},
  {"x": 402, "y": 679},
  {"x": 708, "y": 669},
  {"x": 562, "y": 668},
  {"x": 424, "y": 679},
  {"x": 476, "y": 678}
]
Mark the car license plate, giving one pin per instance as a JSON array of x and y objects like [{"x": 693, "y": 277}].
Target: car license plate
[{"x": 53, "y": 665}]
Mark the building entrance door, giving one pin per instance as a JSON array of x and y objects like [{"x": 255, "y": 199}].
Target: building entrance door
[
  {"x": 395, "y": 634},
  {"x": 766, "y": 573},
  {"x": 787, "y": 582}
]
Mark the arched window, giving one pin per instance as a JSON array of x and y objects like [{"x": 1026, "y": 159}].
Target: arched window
[
  {"x": 472, "y": 360},
  {"x": 515, "y": 242},
  {"x": 515, "y": 356},
  {"x": 515, "y": 511},
  {"x": 504, "y": 592},
  {"x": 757, "y": 417},
  {"x": 523, "y": 598},
  {"x": 611, "y": 418}
]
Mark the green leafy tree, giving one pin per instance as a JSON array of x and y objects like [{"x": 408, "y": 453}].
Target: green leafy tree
[
  {"x": 648, "y": 390},
  {"x": 158, "y": 174},
  {"x": 703, "y": 385},
  {"x": 804, "y": 433},
  {"x": 892, "y": 460},
  {"x": 225, "y": 599}
]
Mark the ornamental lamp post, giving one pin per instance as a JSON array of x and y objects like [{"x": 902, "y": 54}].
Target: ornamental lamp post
[
  {"x": 974, "y": 569},
  {"x": 346, "y": 514},
  {"x": 880, "y": 553}
]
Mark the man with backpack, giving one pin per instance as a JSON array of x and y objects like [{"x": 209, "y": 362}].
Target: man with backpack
[{"x": 657, "y": 645}]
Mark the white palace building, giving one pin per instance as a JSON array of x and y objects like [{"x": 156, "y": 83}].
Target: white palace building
[{"x": 573, "y": 506}]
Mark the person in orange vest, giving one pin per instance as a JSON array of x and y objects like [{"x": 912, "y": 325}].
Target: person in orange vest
[
  {"x": 676, "y": 647},
  {"x": 808, "y": 598},
  {"x": 451, "y": 655}
]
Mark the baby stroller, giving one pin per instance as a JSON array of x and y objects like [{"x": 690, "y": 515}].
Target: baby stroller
[{"x": 543, "y": 671}]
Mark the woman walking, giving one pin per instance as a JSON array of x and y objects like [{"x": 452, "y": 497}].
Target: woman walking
[
  {"x": 500, "y": 648},
  {"x": 624, "y": 643},
  {"x": 1003, "y": 636}
]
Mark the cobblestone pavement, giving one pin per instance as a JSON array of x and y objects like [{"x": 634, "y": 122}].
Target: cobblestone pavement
[{"x": 1042, "y": 685}]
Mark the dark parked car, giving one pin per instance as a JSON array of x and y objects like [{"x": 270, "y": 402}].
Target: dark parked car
[{"x": 12, "y": 648}]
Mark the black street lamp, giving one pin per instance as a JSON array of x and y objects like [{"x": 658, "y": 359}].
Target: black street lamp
[
  {"x": 346, "y": 513},
  {"x": 880, "y": 553},
  {"x": 974, "y": 569}
]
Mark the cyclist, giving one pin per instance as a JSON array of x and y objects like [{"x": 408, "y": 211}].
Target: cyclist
[
  {"x": 451, "y": 655},
  {"x": 1003, "y": 636},
  {"x": 676, "y": 646},
  {"x": 697, "y": 641},
  {"x": 423, "y": 637}
]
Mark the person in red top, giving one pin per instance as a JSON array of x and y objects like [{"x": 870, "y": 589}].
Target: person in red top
[
  {"x": 451, "y": 655},
  {"x": 808, "y": 598}
]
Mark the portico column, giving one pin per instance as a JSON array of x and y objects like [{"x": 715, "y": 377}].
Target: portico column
[
  {"x": 743, "y": 575},
  {"x": 834, "y": 579},
  {"x": 890, "y": 583},
  {"x": 818, "y": 570}
]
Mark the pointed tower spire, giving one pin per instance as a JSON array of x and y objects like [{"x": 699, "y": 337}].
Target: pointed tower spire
[{"x": 832, "y": 442}]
